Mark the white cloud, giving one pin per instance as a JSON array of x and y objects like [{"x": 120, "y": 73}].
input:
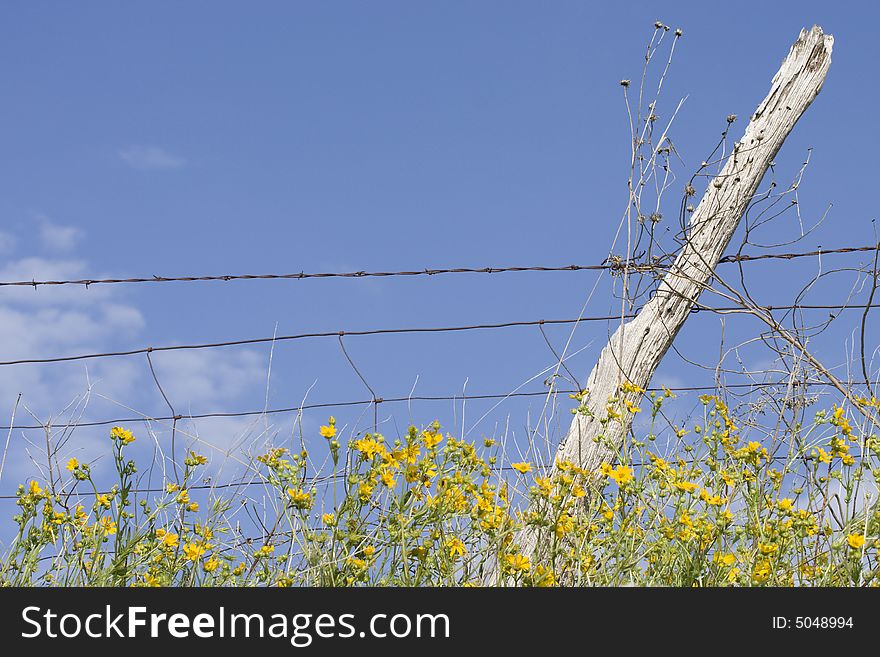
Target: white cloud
[
  {"x": 51, "y": 321},
  {"x": 199, "y": 379},
  {"x": 56, "y": 237},
  {"x": 7, "y": 243},
  {"x": 150, "y": 157},
  {"x": 54, "y": 331}
]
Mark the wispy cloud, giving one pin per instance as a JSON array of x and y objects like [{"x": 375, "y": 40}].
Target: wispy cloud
[
  {"x": 195, "y": 379},
  {"x": 48, "y": 322},
  {"x": 150, "y": 157},
  {"x": 7, "y": 243},
  {"x": 57, "y": 237}
]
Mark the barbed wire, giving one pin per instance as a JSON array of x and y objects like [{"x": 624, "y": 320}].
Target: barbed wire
[
  {"x": 376, "y": 400},
  {"x": 613, "y": 265},
  {"x": 796, "y": 254}
]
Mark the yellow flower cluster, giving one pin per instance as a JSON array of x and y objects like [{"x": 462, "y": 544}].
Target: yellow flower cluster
[
  {"x": 429, "y": 508},
  {"x": 124, "y": 436}
]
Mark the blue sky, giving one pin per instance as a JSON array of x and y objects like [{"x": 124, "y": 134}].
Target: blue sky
[{"x": 215, "y": 138}]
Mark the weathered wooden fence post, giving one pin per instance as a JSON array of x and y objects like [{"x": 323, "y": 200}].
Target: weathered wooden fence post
[{"x": 637, "y": 347}]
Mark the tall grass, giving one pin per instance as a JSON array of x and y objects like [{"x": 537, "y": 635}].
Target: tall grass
[{"x": 428, "y": 509}]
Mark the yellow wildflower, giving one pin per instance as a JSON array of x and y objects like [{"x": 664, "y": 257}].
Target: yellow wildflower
[
  {"x": 300, "y": 498},
  {"x": 564, "y": 525},
  {"x": 456, "y": 548},
  {"x": 543, "y": 576},
  {"x": 107, "y": 525},
  {"x": 711, "y": 500},
  {"x": 545, "y": 488},
  {"x": 856, "y": 541},
  {"x": 627, "y": 386},
  {"x": 122, "y": 435},
  {"x": 517, "y": 563},
  {"x": 194, "y": 551},
  {"x": 432, "y": 439},
  {"x": 725, "y": 559},
  {"x": 761, "y": 572},
  {"x": 168, "y": 539},
  {"x": 195, "y": 459},
  {"x": 822, "y": 455},
  {"x": 369, "y": 447},
  {"x": 622, "y": 475}
]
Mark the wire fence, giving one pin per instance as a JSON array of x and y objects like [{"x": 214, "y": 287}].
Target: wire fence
[
  {"x": 375, "y": 400},
  {"x": 753, "y": 386},
  {"x": 608, "y": 265},
  {"x": 413, "y": 330}
]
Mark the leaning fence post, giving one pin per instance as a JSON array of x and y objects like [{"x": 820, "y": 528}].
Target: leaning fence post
[{"x": 637, "y": 347}]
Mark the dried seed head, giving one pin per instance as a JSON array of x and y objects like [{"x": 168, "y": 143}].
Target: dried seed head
[
  {"x": 678, "y": 31},
  {"x": 658, "y": 25},
  {"x": 731, "y": 118},
  {"x": 717, "y": 183},
  {"x": 624, "y": 83},
  {"x": 689, "y": 190}
]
